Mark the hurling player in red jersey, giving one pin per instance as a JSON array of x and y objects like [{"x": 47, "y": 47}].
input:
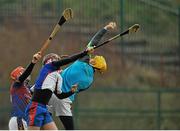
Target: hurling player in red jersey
[{"x": 20, "y": 94}]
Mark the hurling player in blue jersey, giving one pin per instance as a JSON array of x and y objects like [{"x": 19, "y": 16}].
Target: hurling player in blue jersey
[
  {"x": 46, "y": 84},
  {"x": 81, "y": 72},
  {"x": 20, "y": 94}
]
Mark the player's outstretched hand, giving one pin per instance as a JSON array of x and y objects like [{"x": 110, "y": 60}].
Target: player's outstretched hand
[
  {"x": 90, "y": 50},
  {"x": 110, "y": 26},
  {"x": 36, "y": 57},
  {"x": 74, "y": 88}
]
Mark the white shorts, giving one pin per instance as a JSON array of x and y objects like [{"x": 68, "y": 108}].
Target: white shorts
[
  {"x": 61, "y": 107},
  {"x": 13, "y": 124}
]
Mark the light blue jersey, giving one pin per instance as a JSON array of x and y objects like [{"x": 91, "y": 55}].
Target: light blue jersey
[{"x": 79, "y": 73}]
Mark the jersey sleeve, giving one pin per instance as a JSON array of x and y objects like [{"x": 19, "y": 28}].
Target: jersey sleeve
[
  {"x": 94, "y": 42},
  {"x": 26, "y": 73},
  {"x": 97, "y": 37},
  {"x": 68, "y": 60},
  {"x": 63, "y": 95}
]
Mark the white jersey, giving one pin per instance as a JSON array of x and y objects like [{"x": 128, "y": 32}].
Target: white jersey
[
  {"x": 49, "y": 78},
  {"x": 53, "y": 82}
]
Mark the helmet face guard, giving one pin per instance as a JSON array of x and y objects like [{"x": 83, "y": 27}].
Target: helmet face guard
[
  {"x": 50, "y": 58},
  {"x": 17, "y": 72},
  {"x": 99, "y": 63}
]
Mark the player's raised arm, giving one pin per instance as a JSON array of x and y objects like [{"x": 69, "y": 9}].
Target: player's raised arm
[
  {"x": 29, "y": 68},
  {"x": 97, "y": 37},
  {"x": 67, "y": 94},
  {"x": 72, "y": 58}
]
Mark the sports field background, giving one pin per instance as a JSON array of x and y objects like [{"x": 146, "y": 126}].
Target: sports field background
[{"x": 140, "y": 90}]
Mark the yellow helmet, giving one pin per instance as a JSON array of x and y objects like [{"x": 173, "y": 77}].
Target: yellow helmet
[{"x": 99, "y": 63}]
